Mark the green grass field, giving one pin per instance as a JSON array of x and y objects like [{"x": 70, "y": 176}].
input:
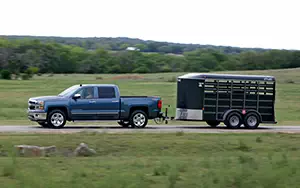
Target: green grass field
[
  {"x": 14, "y": 94},
  {"x": 155, "y": 160}
]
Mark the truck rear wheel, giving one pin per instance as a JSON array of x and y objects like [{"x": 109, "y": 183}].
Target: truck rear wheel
[
  {"x": 56, "y": 119},
  {"x": 138, "y": 119}
]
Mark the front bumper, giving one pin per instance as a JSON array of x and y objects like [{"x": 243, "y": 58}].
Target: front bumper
[{"x": 37, "y": 116}]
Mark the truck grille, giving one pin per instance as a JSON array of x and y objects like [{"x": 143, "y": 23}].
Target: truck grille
[{"x": 32, "y": 104}]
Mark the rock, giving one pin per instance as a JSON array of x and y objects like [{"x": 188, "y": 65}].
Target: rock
[
  {"x": 84, "y": 150},
  {"x": 35, "y": 151},
  {"x": 3, "y": 154}
]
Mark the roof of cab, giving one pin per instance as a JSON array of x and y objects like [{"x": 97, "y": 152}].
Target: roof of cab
[
  {"x": 95, "y": 85},
  {"x": 202, "y": 76}
]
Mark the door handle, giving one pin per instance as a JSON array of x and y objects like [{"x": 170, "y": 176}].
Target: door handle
[{"x": 92, "y": 101}]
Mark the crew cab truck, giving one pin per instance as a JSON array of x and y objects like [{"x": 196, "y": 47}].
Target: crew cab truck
[
  {"x": 93, "y": 102},
  {"x": 234, "y": 100}
]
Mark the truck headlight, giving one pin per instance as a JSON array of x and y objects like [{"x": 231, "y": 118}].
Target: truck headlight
[{"x": 41, "y": 105}]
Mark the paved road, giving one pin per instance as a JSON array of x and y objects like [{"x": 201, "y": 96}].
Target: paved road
[{"x": 148, "y": 129}]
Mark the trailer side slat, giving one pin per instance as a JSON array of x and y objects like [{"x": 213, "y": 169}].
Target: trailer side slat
[{"x": 221, "y": 96}]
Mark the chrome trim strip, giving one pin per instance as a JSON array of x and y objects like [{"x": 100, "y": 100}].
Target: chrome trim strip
[{"x": 93, "y": 113}]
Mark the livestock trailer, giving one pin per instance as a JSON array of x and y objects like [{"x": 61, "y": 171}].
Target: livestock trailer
[{"x": 234, "y": 100}]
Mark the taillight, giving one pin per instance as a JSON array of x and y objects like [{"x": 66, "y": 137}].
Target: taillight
[{"x": 159, "y": 104}]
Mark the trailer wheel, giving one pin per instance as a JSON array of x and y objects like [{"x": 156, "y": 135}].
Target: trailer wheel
[
  {"x": 124, "y": 124},
  {"x": 213, "y": 123},
  {"x": 233, "y": 120},
  {"x": 251, "y": 120}
]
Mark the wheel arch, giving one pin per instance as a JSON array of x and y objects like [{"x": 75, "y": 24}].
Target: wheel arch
[
  {"x": 62, "y": 108},
  {"x": 230, "y": 111},
  {"x": 256, "y": 112},
  {"x": 143, "y": 108}
]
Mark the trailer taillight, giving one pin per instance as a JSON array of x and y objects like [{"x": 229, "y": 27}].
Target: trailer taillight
[{"x": 159, "y": 104}]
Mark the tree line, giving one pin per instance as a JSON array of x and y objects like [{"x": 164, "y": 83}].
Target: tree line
[
  {"x": 121, "y": 43},
  {"x": 21, "y": 56}
]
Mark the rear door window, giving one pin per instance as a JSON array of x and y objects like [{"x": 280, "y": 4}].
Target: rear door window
[{"x": 106, "y": 92}]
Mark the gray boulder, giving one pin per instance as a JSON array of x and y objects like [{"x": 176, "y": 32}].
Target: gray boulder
[
  {"x": 84, "y": 150},
  {"x": 35, "y": 151}
]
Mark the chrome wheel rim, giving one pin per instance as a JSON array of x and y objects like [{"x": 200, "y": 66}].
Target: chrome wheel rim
[
  {"x": 139, "y": 119},
  {"x": 57, "y": 119},
  {"x": 234, "y": 121},
  {"x": 252, "y": 121}
]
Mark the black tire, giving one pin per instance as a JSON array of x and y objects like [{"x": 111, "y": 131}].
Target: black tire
[
  {"x": 138, "y": 116},
  {"x": 251, "y": 120},
  {"x": 124, "y": 124},
  {"x": 213, "y": 123},
  {"x": 58, "y": 114},
  {"x": 233, "y": 120},
  {"x": 43, "y": 124}
]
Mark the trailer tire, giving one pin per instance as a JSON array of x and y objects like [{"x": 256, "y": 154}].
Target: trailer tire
[
  {"x": 233, "y": 120},
  {"x": 124, "y": 124},
  {"x": 213, "y": 123},
  {"x": 138, "y": 119},
  {"x": 251, "y": 120}
]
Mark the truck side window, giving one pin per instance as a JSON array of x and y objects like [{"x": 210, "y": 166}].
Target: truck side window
[
  {"x": 106, "y": 92},
  {"x": 87, "y": 93}
]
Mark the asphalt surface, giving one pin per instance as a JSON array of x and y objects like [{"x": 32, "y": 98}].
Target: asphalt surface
[{"x": 148, "y": 129}]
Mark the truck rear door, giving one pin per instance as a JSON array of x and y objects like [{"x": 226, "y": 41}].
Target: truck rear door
[{"x": 107, "y": 103}]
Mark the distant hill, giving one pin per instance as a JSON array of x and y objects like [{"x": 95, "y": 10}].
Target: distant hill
[{"x": 121, "y": 43}]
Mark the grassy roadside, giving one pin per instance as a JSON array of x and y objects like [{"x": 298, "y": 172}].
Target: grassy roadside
[
  {"x": 156, "y": 160},
  {"x": 14, "y": 94}
]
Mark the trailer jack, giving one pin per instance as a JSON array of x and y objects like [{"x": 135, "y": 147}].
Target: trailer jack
[{"x": 163, "y": 117}]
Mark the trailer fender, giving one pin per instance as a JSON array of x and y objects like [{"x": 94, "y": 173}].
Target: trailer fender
[
  {"x": 254, "y": 111},
  {"x": 229, "y": 111}
]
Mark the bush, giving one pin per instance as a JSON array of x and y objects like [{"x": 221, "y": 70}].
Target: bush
[
  {"x": 6, "y": 74},
  {"x": 29, "y": 73},
  {"x": 26, "y": 76},
  {"x": 33, "y": 70}
]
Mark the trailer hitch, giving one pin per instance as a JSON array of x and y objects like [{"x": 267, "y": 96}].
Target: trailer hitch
[{"x": 163, "y": 117}]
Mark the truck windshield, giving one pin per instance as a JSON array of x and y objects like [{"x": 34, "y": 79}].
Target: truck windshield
[{"x": 69, "y": 91}]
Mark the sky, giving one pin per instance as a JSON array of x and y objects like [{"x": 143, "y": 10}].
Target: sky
[{"x": 242, "y": 23}]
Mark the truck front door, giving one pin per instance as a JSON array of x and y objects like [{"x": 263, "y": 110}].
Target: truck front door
[{"x": 85, "y": 107}]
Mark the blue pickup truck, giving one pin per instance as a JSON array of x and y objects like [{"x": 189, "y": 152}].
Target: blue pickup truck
[{"x": 93, "y": 102}]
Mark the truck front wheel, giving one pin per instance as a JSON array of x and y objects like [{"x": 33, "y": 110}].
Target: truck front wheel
[
  {"x": 138, "y": 119},
  {"x": 56, "y": 119}
]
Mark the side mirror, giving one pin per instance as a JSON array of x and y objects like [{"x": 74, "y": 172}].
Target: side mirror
[{"x": 76, "y": 96}]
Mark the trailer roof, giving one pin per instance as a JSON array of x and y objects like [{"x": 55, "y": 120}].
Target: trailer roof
[{"x": 202, "y": 76}]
